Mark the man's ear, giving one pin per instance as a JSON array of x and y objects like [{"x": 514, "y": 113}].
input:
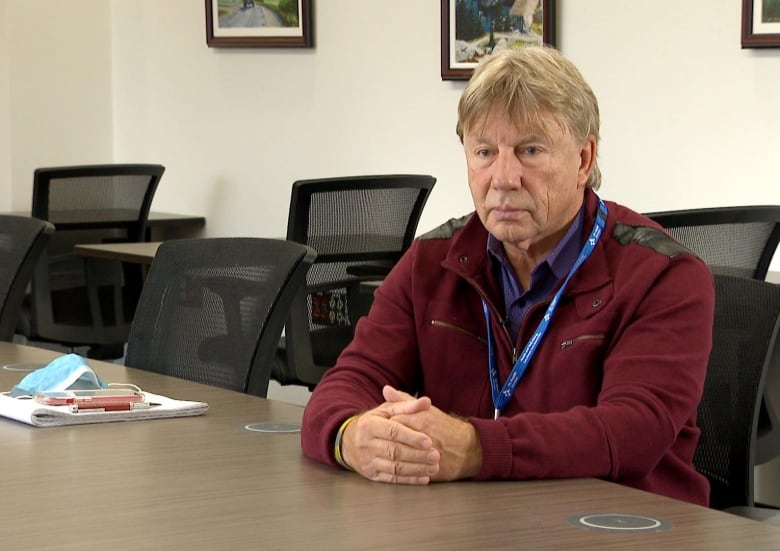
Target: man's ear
[{"x": 587, "y": 160}]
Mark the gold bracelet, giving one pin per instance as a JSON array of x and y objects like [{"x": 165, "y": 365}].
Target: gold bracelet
[{"x": 337, "y": 444}]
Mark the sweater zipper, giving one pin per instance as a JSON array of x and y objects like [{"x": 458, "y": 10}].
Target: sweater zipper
[
  {"x": 439, "y": 323},
  {"x": 565, "y": 344},
  {"x": 569, "y": 342},
  {"x": 501, "y": 320}
]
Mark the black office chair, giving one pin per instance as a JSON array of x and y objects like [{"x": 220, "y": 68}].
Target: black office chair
[
  {"x": 22, "y": 240},
  {"x": 740, "y": 241},
  {"x": 359, "y": 226},
  {"x": 745, "y": 347},
  {"x": 77, "y": 302},
  {"x": 212, "y": 310}
]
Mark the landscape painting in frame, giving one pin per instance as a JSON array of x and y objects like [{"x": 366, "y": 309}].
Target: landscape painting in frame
[
  {"x": 277, "y": 23},
  {"x": 761, "y": 23},
  {"x": 473, "y": 29}
]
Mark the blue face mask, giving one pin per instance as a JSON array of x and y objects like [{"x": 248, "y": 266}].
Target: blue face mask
[{"x": 69, "y": 372}]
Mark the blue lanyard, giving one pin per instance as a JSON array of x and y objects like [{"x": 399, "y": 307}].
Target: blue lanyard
[{"x": 501, "y": 397}]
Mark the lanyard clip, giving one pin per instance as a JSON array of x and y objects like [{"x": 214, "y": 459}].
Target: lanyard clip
[{"x": 496, "y": 413}]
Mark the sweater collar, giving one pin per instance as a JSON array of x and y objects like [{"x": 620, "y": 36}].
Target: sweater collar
[{"x": 468, "y": 255}]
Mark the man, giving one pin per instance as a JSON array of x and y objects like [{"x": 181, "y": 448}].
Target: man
[{"x": 547, "y": 335}]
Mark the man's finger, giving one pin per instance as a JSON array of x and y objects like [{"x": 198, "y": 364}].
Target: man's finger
[
  {"x": 401, "y": 472},
  {"x": 391, "y": 394},
  {"x": 406, "y": 407},
  {"x": 392, "y": 431}
]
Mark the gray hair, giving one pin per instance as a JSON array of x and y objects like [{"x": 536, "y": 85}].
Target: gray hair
[{"x": 530, "y": 84}]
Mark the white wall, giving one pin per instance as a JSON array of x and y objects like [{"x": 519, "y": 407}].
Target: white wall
[
  {"x": 689, "y": 118},
  {"x": 58, "y": 98},
  {"x": 237, "y": 127},
  {"x": 5, "y": 110}
]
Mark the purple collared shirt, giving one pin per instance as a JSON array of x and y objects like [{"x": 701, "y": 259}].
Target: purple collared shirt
[{"x": 544, "y": 278}]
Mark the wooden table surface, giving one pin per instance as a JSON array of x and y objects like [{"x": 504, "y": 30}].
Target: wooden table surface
[
  {"x": 160, "y": 225},
  {"x": 156, "y": 218},
  {"x": 209, "y": 483},
  {"x": 141, "y": 253}
]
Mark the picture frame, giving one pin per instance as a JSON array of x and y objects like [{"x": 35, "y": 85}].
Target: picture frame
[
  {"x": 245, "y": 23},
  {"x": 469, "y": 26},
  {"x": 761, "y": 23}
]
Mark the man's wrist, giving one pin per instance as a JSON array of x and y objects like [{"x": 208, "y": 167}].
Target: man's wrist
[
  {"x": 473, "y": 460},
  {"x": 337, "y": 444}
]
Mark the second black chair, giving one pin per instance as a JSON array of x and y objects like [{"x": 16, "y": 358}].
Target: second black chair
[
  {"x": 212, "y": 310},
  {"x": 738, "y": 241},
  {"x": 359, "y": 226},
  {"x": 77, "y": 302},
  {"x": 745, "y": 346}
]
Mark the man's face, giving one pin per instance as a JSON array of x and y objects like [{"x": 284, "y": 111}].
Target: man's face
[{"x": 527, "y": 184}]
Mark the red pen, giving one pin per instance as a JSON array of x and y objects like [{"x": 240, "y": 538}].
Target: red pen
[{"x": 97, "y": 406}]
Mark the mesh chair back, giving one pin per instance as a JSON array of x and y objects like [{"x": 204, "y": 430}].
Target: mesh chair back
[
  {"x": 212, "y": 310},
  {"x": 74, "y": 301},
  {"x": 739, "y": 241},
  {"x": 359, "y": 226},
  {"x": 22, "y": 241},
  {"x": 747, "y": 320}
]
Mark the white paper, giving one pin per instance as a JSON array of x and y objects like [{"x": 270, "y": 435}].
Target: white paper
[{"x": 29, "y": 411}]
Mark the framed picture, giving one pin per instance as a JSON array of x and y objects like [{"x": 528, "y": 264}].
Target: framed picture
[
  {"x": 274, "y": 23},
  {"x": 761, "y": 23},
  {"x": 472, "y": 29}
]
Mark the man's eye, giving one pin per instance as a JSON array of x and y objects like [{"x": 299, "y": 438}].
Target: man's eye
[
  {"x": 483, "y": 152},
  {"x": 532, "y": 150}
]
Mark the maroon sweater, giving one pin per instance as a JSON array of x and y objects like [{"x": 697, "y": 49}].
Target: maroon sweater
[{"x": 612, "y": 391}]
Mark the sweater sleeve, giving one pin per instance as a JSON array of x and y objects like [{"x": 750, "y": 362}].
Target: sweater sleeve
[{"x": 383, "y": 352}]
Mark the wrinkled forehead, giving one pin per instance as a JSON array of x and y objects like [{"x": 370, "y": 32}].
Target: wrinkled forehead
[{"x": 524, "y": 120}]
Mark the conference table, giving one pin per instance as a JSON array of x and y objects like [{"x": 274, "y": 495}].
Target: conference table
[{"x": 235, "y": 478}]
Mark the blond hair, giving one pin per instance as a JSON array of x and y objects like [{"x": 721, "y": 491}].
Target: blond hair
[{"x": 530, "y": 84}]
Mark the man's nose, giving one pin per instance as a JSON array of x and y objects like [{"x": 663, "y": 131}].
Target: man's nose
[{"x": 507, "y": 170}]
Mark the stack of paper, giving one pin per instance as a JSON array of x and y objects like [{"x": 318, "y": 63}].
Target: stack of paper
[{"x": 27, "y": 410}]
